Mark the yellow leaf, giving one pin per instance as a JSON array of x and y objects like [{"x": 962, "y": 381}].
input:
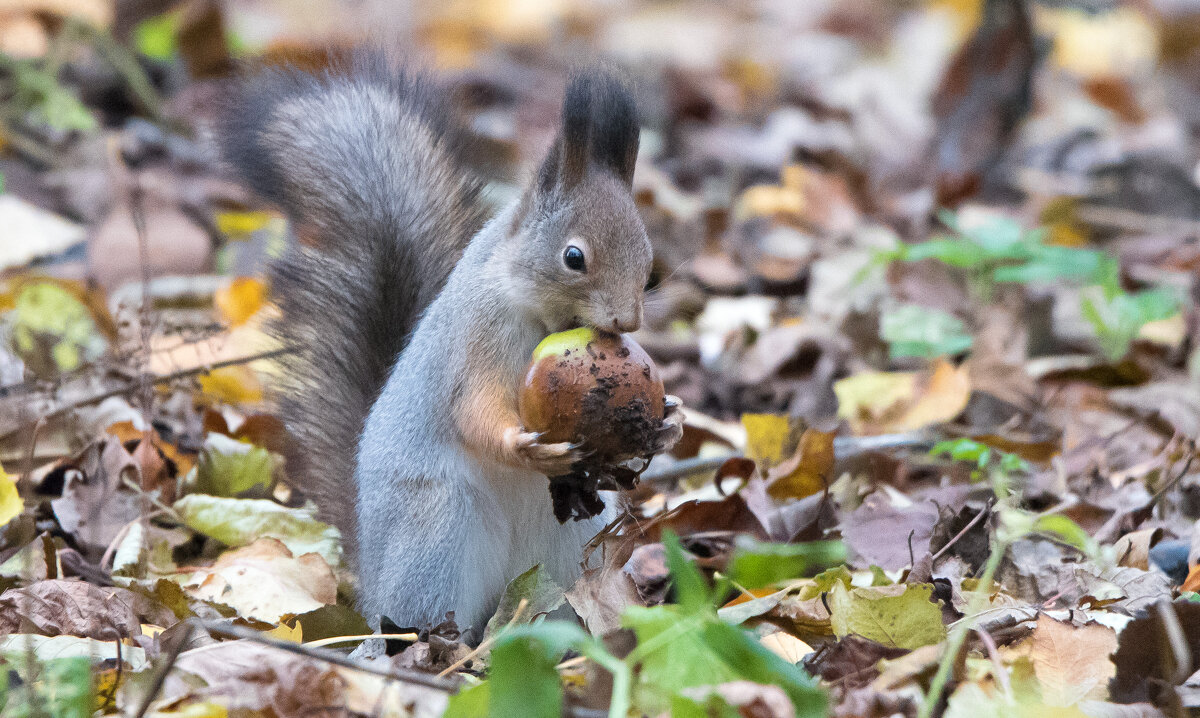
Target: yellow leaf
[
  {"x": 807, "y": 472},
  {"x": 240, "y": 225},
  {"x": 944, "y": 397},
  {"x": 865, "y": 396},
  {"x": 236, "y": 384},
  {"x": 287, "y": 633},
  {"x": 883, "y": 402},
  {"x": 766, "y": 438},
  {"x": 1119, "y": 43},
  {"x": 11, "y": 504},
  {"x": 240, "y": 299}
]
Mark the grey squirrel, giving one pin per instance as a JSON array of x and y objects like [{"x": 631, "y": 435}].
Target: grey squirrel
[{"x": 413, "y": 319}]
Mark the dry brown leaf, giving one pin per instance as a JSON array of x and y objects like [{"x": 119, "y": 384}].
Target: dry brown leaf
[
  {"x": 1072, "y": 663},
  {"x": 65, "y": 607},
  {"x": 95, "y": 505},
  {"x": 245, "y": 676}
]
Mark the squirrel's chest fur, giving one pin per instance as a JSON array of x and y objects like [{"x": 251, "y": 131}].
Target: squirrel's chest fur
[{"x": 490, "y": 522}]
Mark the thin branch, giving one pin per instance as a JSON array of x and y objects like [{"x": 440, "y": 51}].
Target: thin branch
[
  {"x": 133, "y": 385},
  {"x": 396, "y": 674}
]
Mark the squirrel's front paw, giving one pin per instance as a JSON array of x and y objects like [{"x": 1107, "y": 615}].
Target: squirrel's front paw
[
  {"x": 549, "y": 459},
  {"x": 671, "y": 430}
]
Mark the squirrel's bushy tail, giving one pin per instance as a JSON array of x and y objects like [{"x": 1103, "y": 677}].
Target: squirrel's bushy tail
[{"x": 366, "y": 161}]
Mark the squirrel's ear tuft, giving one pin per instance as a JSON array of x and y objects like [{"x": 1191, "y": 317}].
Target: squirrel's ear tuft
[
  {"x": 575, "y": 135},
  {"x": 614, "y": 140},
  {"x": 599, "y": 127}
]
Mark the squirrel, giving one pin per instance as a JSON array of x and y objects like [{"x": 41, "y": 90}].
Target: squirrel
[{"x": 412, "y": 317}]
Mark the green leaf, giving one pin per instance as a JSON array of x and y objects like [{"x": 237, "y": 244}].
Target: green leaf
[
  {"x": 61, "y": 688},
  {"x": 1049, "y": 263},
  {"x": 954, "y": 252},
  {"x": 672, "y": 654},
  {"x": 691, "y": 590},
  {"x": 755, "y": 564},
  {"x": 826, "y": 580},
  {"x": 470, "y": 702},
  {"x": 542, "y": 595},
  {"x": 156, "y": 37},
  {"x": 239, "y": 522},
  {"x": 47, "y": 316},
  {"x": 714, "y": 706},
  {"x": 228, "y": 467},
  {"x": 913, "y": 331},
  {"x": 755, "y": 663},
  {"x": 1066, "y": 530},
  {"x": 1118, "y": 318},
  {"x": 39, "y": 93},
  {"x": 901, "y": 615},
  {"x": 523, "y": 679},
  {"x": 1000, "y": 238}
]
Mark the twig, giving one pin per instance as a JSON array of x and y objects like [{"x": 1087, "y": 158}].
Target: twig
[
  {"x": 970, "y": 524},
  {"x": 686, "y": 467},
  {"x": 396, "y": 674},
  {"x": 1176, "y": 639},
  {"x": 161, "y": 676},
  {"x": 350, "y": 639},
  {"x": 994, "y": 654},
  {"x": 487, "y": 642},
  {"x": 1171, "y": 483},
  {"x": 133, "y": 384},
  {"x": 843, "y": 447}
]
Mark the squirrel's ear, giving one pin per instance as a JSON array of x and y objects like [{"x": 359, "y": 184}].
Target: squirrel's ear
[{"x": 599, "y": 126}]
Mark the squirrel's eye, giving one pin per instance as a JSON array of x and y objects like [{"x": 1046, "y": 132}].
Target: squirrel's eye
[{"x": 573, "y": 258}]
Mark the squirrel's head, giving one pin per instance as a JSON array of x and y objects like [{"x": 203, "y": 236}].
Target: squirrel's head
[{"x": 583, "y": 257}]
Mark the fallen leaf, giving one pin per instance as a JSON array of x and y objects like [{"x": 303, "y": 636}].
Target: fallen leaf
[
  {"x": 880, "y": 533},
  {"x": 902, "y": 616},
  {"x": 95, "y": 504},
  {"x": 807, "y": 471},
  {"x": 11, "y": 504},
  {"x": 32, "y": 232},
  {"x": 1072, "y": 663},
  {"x": 265, "y": 581},
  {"x": 248, "y": 677},
  {"x": 538, "y": 592},
  {"x": 887, "y": 402},
  {"x": 240, "y": 299},
  {"x": 66, "y": 607},
  {"x": 239, "y": 522}
]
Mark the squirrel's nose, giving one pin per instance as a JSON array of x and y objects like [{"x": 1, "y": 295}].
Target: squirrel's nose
[{"x": 628, "y": 323}]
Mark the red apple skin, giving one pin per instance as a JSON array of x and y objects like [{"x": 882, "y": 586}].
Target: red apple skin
[{"x": 598, "y": 389}]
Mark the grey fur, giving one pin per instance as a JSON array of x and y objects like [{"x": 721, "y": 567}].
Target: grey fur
[
  {"x": 366, "y": 162},
  {"x": 444, "y": 523}
]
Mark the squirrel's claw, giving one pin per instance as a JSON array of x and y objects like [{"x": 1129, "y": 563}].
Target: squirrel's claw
[
  {"x": 550, "y": 459},
  {"x": 671, "y": 430}
]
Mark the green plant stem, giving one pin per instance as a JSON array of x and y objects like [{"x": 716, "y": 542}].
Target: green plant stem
[{"x": 958, "y": 635}]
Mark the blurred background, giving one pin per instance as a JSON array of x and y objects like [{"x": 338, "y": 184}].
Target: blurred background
[{"x": 1002, "y": 190}]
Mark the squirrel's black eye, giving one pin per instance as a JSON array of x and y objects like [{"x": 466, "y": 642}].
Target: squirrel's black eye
[{"x": 573, "y": 258}]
